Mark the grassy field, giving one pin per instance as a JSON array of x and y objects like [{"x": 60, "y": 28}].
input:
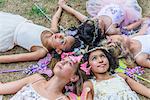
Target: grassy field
[{"x": 26, "y": 9}]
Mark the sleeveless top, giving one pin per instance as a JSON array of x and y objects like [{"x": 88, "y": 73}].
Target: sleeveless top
[
  {"x": 147, "y": 22},
  {"x": 27, "y": 93},
  {"x": 132, "y": 9},
  {"x": 28, "y": 34},
  {"x": 8, "y": 25},
  {"x": 115, "y": 12},
  {"x": 113, "y": 89},
  {"x": 144, "y": 40}
]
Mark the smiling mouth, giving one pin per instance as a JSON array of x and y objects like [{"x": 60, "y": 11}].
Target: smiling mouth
[{"x": 103, "y": 65}]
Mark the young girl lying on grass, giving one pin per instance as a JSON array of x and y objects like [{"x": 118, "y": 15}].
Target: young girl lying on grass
[
  {"x": 35, "y": 87},
  {"x": 107, "y": 86},
  {"x": 108, "y": 15},
  {"x": 38, "y": 40}
]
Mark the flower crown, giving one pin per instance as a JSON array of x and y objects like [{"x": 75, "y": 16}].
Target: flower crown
[
  {"x": 77, "y": 59},
  {"x": 97, "y": 48}
]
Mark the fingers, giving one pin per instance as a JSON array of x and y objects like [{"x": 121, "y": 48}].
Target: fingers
[{"x": 62, "y": 2}]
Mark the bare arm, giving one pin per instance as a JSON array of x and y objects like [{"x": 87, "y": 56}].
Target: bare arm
[
  {"x": 114, "y": 31},
  {"x": 143, "y": 60},
  {"x": 55, "y": 19},
  {"x": 32, "y": 56},
  {"x": 72, "y": 11},
  {"x": 89, "y": 95},
  {"x": 15, "y": 86},
  {"x": 137, "y": 87},
  {"x": 134, "y": 25}
]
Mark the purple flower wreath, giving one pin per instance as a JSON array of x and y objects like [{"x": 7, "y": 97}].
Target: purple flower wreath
[{"x": 41, "y": 67}]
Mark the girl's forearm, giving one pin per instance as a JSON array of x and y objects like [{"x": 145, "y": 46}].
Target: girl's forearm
[
  {"x": 57, "y": 15},
  {"x": 11, "y": 87},
  {"x": 55, "y": 20},
  {"x": 139, "y": 88},
  {"x": 15, "y": 86},
  {"x": 31, "y": 56},
  {"x": 7, "y": 59},
  {"x": 134, "y": 25},
  {"x": 143, "y": 29}
]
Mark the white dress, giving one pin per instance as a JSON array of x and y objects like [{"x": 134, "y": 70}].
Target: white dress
[
  {"x": 144, "y": 41},
  {"x": 148, "y": 23},
  {"x": 131, "y": 9},
  {"x": 113, "y": 89},
  {"x": 17, "y": 30},
  {"x": 27, "y": 93}
]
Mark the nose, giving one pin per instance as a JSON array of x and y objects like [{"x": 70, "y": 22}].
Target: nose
[
  {"x": 100, "y": 60},
  {"x": 59, "y": 35}
]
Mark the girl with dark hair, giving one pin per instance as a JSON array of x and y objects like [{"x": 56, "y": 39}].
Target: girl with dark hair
[
  {"x": 110, "y": 17},
  {"x": 106, "y": 86},
  {"x": 90, "y": 33}
]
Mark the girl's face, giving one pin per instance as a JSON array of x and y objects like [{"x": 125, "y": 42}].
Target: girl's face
[
  {"x": 98, "y": 62},
  {"x": 61, "y": 42},
  {"x": 65, "y": 68},
  {"x": 125, "y": 40}
]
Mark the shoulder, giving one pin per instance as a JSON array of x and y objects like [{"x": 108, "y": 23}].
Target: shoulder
[
  {"x": 30, "y": 79},
  {"x": 141, "y": 57},
  {"x": 39, "y": 51},
  {"x": 35, "y": 77},
  {"x": 88, "y": 84}
]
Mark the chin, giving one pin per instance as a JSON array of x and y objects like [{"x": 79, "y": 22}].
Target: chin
[{"x": 103, "y": 72}]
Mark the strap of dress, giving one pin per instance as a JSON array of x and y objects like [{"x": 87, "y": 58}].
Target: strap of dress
[
  {"x": 45, "y": 49},
  {"x": 109, "y": 28},
  {"x": 1, "y": 97},
  {"x": 137, "y": 54}
]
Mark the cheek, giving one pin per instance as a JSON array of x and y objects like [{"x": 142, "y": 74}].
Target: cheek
[
  {"x": 93, "y": 63},
  {"x": 68, "y": 69},
  {"x": 107, "y": 62}
]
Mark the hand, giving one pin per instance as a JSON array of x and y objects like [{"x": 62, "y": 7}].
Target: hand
[{"x": 62, "y": 2}]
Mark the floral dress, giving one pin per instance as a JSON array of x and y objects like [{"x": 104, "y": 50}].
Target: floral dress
[
  {"x": 113, "y": 89},
  {"x": 131, "y": 9},
  {"x": 27, "y": 93}
]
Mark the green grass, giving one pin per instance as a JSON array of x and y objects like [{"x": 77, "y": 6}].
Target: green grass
[{"x": 26, "y": 8}]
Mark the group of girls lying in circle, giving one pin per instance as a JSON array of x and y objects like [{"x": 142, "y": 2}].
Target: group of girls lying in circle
[{"x": 92, "y": 73}]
